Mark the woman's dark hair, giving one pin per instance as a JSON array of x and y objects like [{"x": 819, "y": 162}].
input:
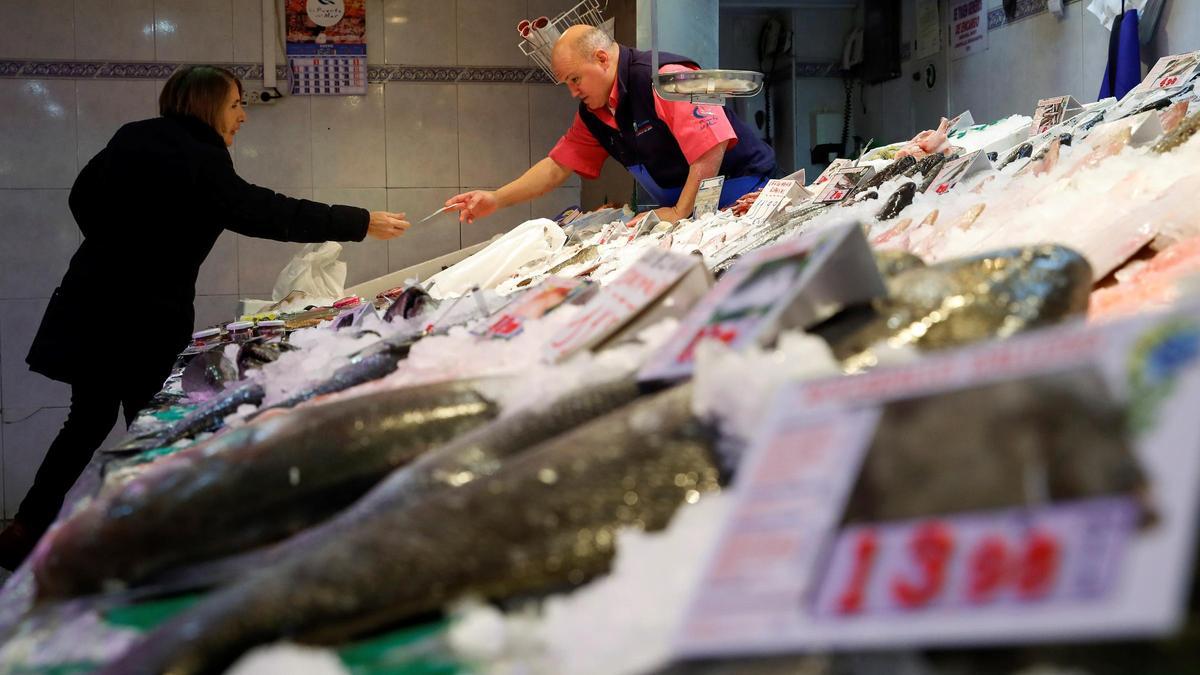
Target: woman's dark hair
[{"x": 198, "y": 91}]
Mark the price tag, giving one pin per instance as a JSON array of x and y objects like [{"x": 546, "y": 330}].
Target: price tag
[
  {"x": 957, "y": 170},
  {"x": 834, "y": 167},
  {"x": 777, "y": 194},
  {"x": 794, "y": 284},
  {"x": 1051, "y": 112},
  {"x": 708, "y": 198},
  {"x": 1059, "y": 554},
  {"x": 1170, "y": 72},
  {"x": 963, "y": 120},
  {"x": 630, "y": 294},
  {"x": 842, "y": 183},
  {"x": 534, "y": 304},
  {"x": 863, "y": 519}
]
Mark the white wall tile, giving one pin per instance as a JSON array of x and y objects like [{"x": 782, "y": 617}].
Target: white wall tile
[
  {"x": 269, "y": 150},
  {"x": 376, "y": 47},
  {"x": 497, "y": 223},
  {"x": 37, "y": 134},
  {"x": 44, "y": 29},
  {"x": 553, "y": 202},
  {"x": 216, "y": 309},
  {"x": 104, "y": 105},
  {"x": 421, "y": 33},
  {"x": 25, "y": 445},
  {"x": 551, "y": 112},
  {"x": 969, "y": 87},
  {"x": 422, "y": 134},
  {"x": 487, "y": 32},
  {"x": 19, "y": 321},
  {"x": 219, "y": 273},
  {"x": 367, "y": 259},
  {"x": 1023, "y": 70},
  {"x": 197, "y": 31},
  {"x": 114, "y": 29},
  {"x": 1177, "y": 32},
  {"x": 430, "y": 239},
  {"x": 493, "y": 133},
  {"x": 1095, "y": 53},
  {"x": 247, "y": 32},
  {"x": 347, "y": 135},
  {"x": 38, "y": 236}
]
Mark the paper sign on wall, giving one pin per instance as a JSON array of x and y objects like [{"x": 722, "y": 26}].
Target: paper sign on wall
[
  {"x": 327, "y": 46},
  {"x": 892, "y": 509},
  {"x": 968, "y": 28}
]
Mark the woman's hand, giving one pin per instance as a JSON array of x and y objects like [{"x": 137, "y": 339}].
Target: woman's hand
[{"x": 386, "y": 225}]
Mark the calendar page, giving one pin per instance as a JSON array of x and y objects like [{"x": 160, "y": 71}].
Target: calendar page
[{"x": 327, "y": 46}]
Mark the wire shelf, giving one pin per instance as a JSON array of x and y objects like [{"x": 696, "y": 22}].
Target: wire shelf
[{"x": 540, "y": 37}]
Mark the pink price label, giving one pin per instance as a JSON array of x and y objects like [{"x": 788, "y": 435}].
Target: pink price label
[{"x": 1068, "y": 553}]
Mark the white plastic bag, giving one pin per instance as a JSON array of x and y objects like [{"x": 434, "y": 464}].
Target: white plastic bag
[
  {"x": 532, "y": 240},
  {"x": 315, "y": 270}
]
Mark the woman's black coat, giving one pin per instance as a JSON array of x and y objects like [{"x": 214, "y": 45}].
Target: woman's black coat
[{"x": 151, "y": 205}]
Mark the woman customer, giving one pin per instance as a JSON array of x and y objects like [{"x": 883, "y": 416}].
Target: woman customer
[{"x": 151, "y": 205}]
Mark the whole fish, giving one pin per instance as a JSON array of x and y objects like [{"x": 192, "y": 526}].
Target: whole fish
[
  {"x": 1002, "y": 445},
  {"x": 988, "y": 296},
  {"x": 888, "y": 172},
  {"x": 1182, "y": 134},
  {"x": 586, "y": 255},
  {"x": 254, "y": 485},
  {"x": 929, "y": 164},
  {"x": 931, "y": 172},
  {"x": 476, "y": 454},
  {"x": 899, "y": 200},
  {"x": 1020, "y": 152},
  {"x": 378, "y": 360},
  {"x": 209, "y": 415},
  {"x": 408, "y": 304},
  {"x": 256, "y": 354},
  {"x": 546, "y": 520}
]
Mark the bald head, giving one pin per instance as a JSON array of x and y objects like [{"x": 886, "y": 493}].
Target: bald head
[{"x": 585, "y": 59}]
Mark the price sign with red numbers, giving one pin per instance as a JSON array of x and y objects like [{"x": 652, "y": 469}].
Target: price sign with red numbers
[
  {"x": 535, "y": 303},
  {"x": 1063, "y": 553},
  {"x": 619, "y": 302},
  {"x": 1040, "y": 489},
  {"x": 1170, "y": 72}
]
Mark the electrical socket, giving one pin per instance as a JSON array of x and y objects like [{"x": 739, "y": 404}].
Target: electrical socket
[{"x": 260, "y": 96}]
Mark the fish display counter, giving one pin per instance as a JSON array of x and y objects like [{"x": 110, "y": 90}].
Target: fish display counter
[{"x": 935, "y": 403}]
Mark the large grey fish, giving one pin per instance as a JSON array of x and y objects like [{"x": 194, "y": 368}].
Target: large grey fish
[
  {"x": 992, "y": 295},
  {"x": 378, "y": 360},
  {"x": 251, "y": 486},
  {"x": 546, "y": 520},
  {"x": 209, "y": 415},
  {"x": 476, "y": 454},
  {"x": 1001, "y": 445}
]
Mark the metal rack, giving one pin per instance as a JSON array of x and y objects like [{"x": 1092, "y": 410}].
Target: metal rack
[{"x": 540, "y": 42}]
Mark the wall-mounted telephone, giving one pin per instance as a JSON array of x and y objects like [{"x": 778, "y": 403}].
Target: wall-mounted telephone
[{"x": 852, "y": 53}]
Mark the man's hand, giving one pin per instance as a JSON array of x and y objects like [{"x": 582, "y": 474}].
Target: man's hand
[
  {"x": 666, "y": 213},
  {"x": 385, "y": 225},
  {"x": 474, "y": 204}
]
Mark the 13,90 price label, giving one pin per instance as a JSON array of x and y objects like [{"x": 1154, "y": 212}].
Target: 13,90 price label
[{"x": 1056, "y": 554}]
